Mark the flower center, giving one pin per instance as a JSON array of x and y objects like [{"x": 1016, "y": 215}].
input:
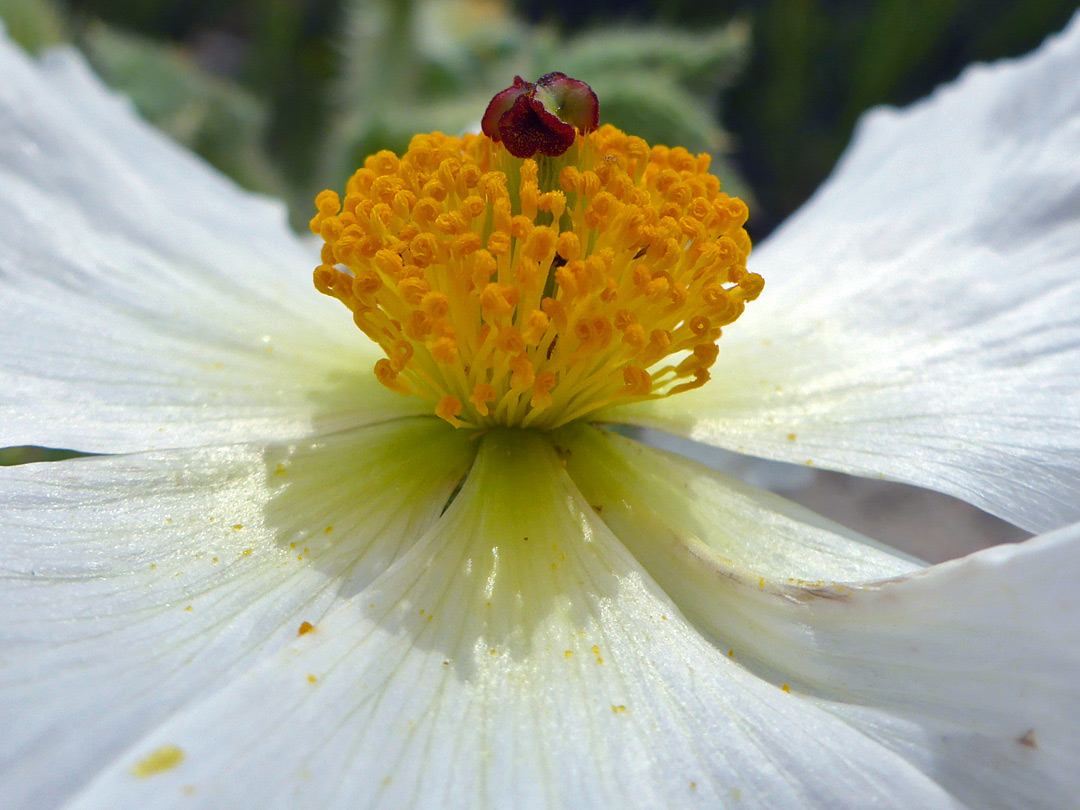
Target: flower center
[{"x": 532, "y": 292}]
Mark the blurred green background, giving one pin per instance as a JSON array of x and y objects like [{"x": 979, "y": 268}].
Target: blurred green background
[{"x": 288, "y": 96}]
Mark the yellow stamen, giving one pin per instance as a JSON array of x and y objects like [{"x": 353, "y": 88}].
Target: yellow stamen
[{"x": 534, "y": 292}]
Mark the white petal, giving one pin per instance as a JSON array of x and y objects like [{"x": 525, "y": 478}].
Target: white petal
[
  {"x": 132, "y": 585},
  {"x": 149, "y": 302},
  {"x": 967, "y": 669},
  {"x": 753, "y": 532},
  {"x": 515, "y": 657},
  {"x": 920, "y": 315}
]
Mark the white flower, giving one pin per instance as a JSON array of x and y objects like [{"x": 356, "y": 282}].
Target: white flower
[{"x": 262, "y": 599}]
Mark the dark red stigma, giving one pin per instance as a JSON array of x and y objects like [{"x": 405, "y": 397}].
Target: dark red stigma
[{"x": 541, "y": 117}]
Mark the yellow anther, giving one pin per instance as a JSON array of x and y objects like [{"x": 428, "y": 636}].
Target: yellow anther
[
  {"x": 521, "y": 226},
  {"x": 634, "y": 335},
  {"x": 499, "y": 243},
  {"x": 510, "y": 341},
  {"x": 553, "y": 202},
  {"x": 480, "y": 265},
  {"x": 569, "y": 180},
  {"x": 443, "y": 350},
  {"x": 385, "y": 373},
  {"x": 589, "y": 184},
  {"x": 483, "y": 394},
  {"x": 541, "y": 391},
  {"x": 384, "y": 162},
  {"x": 568, "y": 246},
  {"x": 536, "y": 324},
  {"x": 365, "y": 283},
  {"x": 424, "y": 249},
  {"x": 540, "y": 245},
  {"x": 418, "y": 325},
  {"x": 413, "y": 290},
  {"x": 524, "y": 375},
  {"x": 700, "y": 325},
  {"x": 388, "y": 262},
  {"x": 435, "y": 304},
  {"x": 499, "y": 299},
  {"x": 448, "y": 408},
  {"x": 400, "y": 353},
  {"x": 638, "y": 381},
  {"x": 543, "y": 300},
  {"x": 435, "y": 190}
]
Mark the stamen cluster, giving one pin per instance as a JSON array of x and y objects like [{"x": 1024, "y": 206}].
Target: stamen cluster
[{"x": 534, "y": 292}]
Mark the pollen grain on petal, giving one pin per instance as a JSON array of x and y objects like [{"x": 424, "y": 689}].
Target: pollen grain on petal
[
  {"x": 536, "y": 291},
  {"x": 158, "y": 761}
]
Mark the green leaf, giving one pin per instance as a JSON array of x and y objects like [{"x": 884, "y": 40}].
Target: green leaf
[
  {"x": 209, "y": 114},
  {"x": 709, "y": 59},
  {"x": 34, "y": 24}
]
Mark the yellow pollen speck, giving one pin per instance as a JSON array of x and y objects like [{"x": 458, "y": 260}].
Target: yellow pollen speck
[
  {"x": 238, "y": 526},
  {"x": 312, "y": 678},
  {"x": 595, "y": 649},
  {"x": 568, "y": 653},
  {"x": 292, "y": 545},
  {"x": 328, "y": 529},
  {"x": 791, "y": 437},
  {"x": 161, "y": 760},
  {"x": 153, "y": 566},
  {"x": 786, "y": 688},
  {"x": 247, "y": 552},
  {"x": 534, "y": 292},
  {"x": 305, "y": 628},
  {"x": 213, "y": 559},
  {"x": 730, "y": 653},
  {"x": 188, "y": 609},
  {"x": 280, "y": 469},
  {"x": 618, "y": 709}
]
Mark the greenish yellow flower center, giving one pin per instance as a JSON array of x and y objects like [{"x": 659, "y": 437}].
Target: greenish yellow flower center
[{"x": 522, "y": 292}]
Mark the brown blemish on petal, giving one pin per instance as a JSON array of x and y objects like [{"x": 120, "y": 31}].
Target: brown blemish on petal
[
  {"x": 1027, "y": 739},
  {"x": 820, "y": 591}
]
